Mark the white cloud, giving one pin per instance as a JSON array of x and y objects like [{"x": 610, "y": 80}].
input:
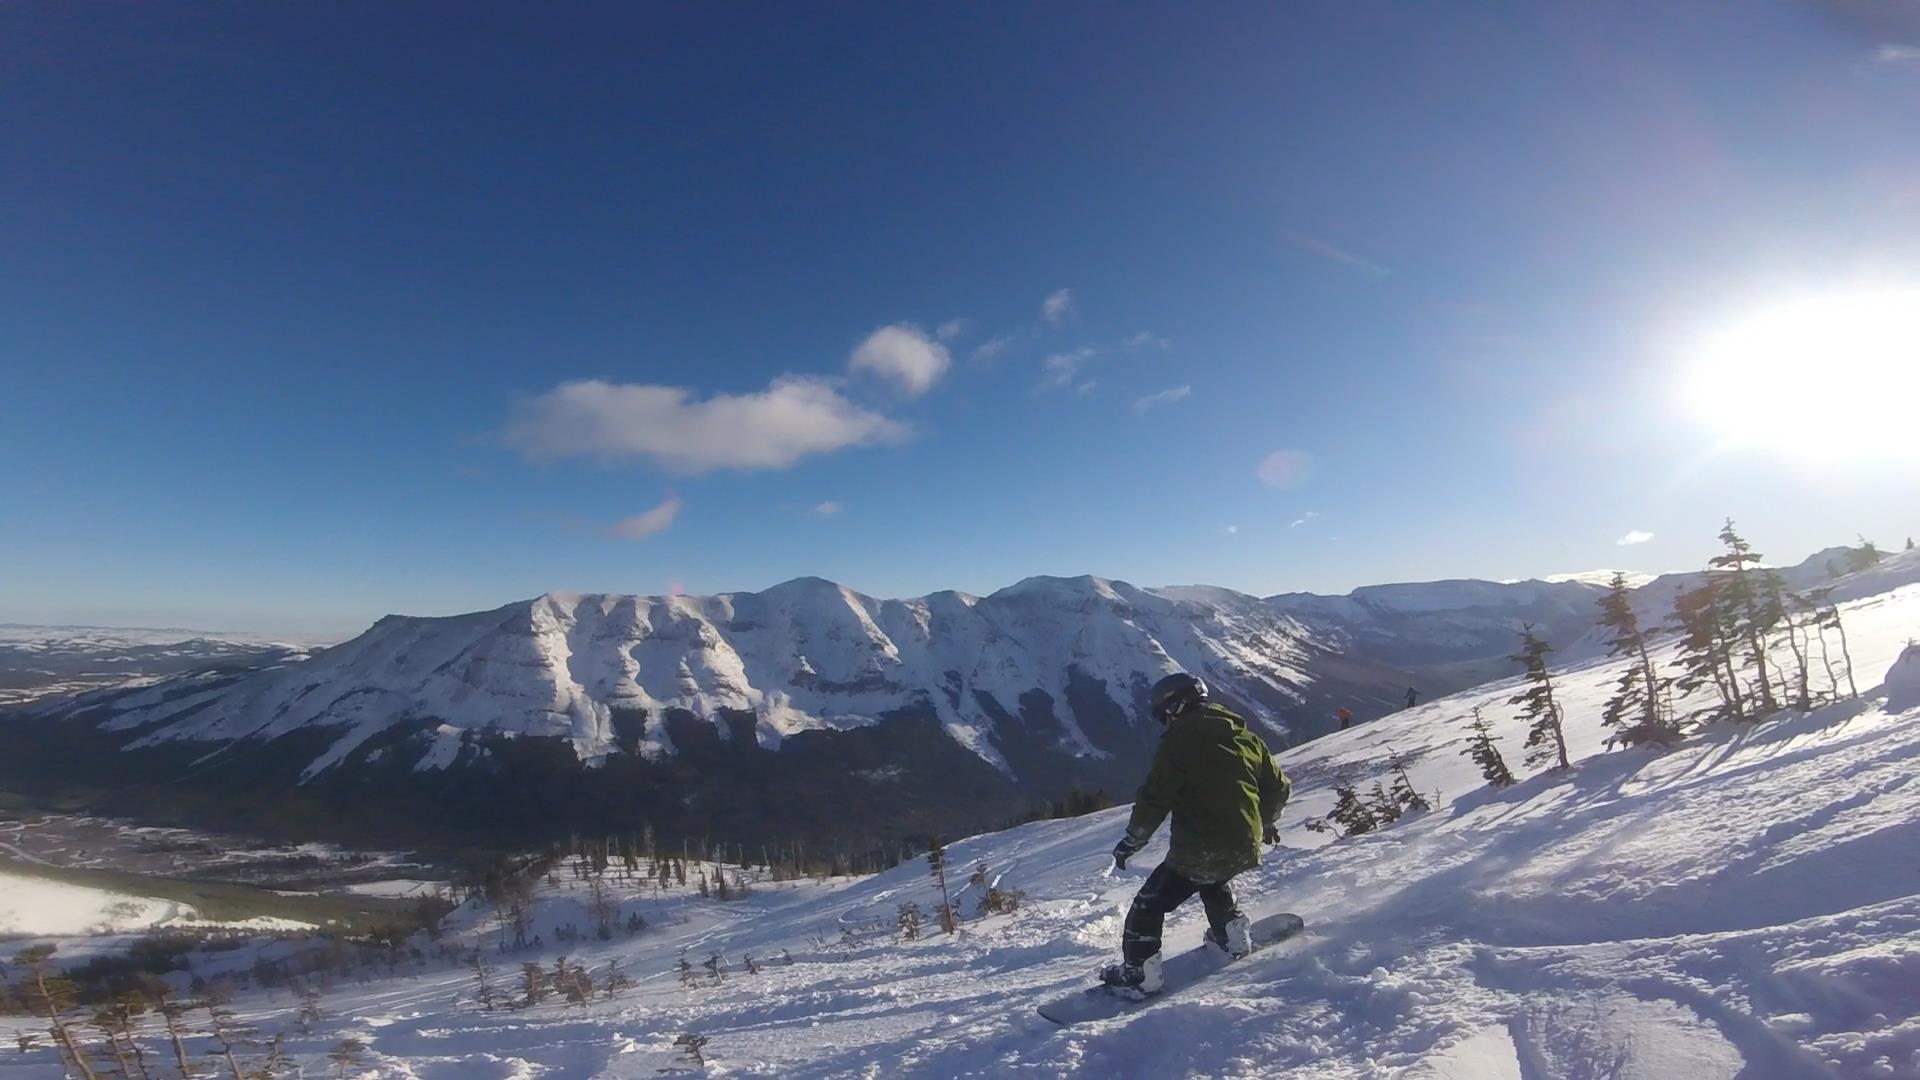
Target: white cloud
[
  {"x": 952, "y": 328},
  {"x": 1233, "y": 530},
  {"x": 1057, "y": 306},
  {"x": 828, "y": 508},
  {"x": 1899, "y": 54},
  {"x": 1285, "y": 468},
  {"x": 647, "y": 522},
  {"x": 992, "y": 347},
  {"x": 1637, "y": 536},
  {"x": 615, "y": 422},
  {"x": 1145, "y": 340},
  {"x": 904, "y": 354},
  {"x": 1086, "y": 387},
  {"x": 1303, "y": 519},
  {"x": 1062, "y": 369},
  {"x": 1164, "y": 397}
]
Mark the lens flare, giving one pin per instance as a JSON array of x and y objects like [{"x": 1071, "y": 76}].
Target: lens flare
[{"x": 1830, "y": 379}]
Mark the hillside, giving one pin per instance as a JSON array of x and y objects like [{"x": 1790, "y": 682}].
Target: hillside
[{"x": 1743, "y": 905}]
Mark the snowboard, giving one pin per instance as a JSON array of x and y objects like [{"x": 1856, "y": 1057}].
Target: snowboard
[{"x": 1180, "y": 972}]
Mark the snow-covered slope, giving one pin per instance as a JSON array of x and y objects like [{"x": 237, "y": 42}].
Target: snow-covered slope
[
  {"x": 1744, "y": 905},
  {"x": 53, "y": 661}
]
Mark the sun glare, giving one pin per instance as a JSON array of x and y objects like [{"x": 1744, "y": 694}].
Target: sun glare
[{"x": 1822, "y": 379}]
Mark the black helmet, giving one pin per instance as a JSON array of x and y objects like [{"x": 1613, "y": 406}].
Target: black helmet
[{"x": 1174, "y": 694}]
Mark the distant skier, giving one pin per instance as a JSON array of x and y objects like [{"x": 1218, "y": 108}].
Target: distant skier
[
  {"x": 1413, "y": 697},
  {"x": 1345, "y": 716},
  {"x": 1220, "y": 783}
]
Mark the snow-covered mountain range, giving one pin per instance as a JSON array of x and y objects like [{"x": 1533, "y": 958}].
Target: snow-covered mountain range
[
  {"x": 1741, "y": 904},
  {"x": 1009, "y": 696}
]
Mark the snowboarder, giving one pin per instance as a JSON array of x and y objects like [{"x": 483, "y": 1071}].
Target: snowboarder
[
  {"x": 1413, "y": 697},
  {"x": 1345, "y": 716},
  {"x": 1220, "y": 783}
]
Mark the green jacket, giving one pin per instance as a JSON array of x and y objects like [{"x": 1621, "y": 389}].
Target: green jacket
[{"x": 1222, "y": 786}]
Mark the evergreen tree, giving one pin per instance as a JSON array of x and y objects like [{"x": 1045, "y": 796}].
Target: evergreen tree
[
  {"x": 1866, "y": 555},
  {"x": 1382, "y": 805},
  {"x": 1705, "y": 655},
  {"x": 1350, "y": 812},
  {"x": 1405, "y": 795},
  {"x": 937, "y": 864},
  {"x": 1546, "y": 739},
  {"x": 908, "y": 921},
  {"x": 1634, "y": 708},
  {"x": 1753, "y": 619},
  {"x": 1486, "y": 753}
]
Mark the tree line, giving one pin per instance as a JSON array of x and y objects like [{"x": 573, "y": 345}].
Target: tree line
[{"x": 1745, "y": 648}]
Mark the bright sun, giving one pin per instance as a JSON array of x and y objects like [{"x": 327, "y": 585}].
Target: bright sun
[{"x": 1822, "y": 378}]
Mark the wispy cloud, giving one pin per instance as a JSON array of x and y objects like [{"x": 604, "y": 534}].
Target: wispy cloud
[
  {"x": 1231, "y": 530},
  {"x": 1304, "y": 519},
  {"x": 1164, "y": 397},
  {"x": 794, "y": 417},
  {"x": 1285, "y": 468},
  {"x": 647, "y": 522},
  {"x": 1057, "y": 306},
  {"x": 1637, "y": 536},
  {"x": 1898, "y": 54},
  {"x": 1145, "y": 340},
  {"x": 953, "y": 328},
  {"x": 904, "y": 354},
  {"x": 828, "y": 508},
  {"x": 992, "y": 347},
  {"x": 1061, "y": 370},
  {"x": 1317, "y": 246}
]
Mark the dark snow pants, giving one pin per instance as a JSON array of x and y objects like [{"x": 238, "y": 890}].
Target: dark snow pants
[{"x": 1165, "y": 890}]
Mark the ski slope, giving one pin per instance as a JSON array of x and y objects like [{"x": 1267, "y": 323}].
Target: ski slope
[{"x": 1744, "y": 905}]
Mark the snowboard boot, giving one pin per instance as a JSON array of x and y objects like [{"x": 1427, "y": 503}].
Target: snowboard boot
[
  {"x": 1135, "y": 980},
  {"x": 1235, "y": 939}
]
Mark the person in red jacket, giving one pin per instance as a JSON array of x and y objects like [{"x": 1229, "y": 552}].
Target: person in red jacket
[{"x": 1345, "y": 716}]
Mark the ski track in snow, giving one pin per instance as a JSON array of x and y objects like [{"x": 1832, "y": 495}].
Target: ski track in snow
[{"x": 1744, "y": 905}]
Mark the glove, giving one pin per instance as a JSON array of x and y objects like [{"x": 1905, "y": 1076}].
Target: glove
[
  {"x": 1123, "y": 851},
  {"x": 1271, "y": 834}
]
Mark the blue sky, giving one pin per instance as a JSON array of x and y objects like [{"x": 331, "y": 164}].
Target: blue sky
[{"x": 309, "y": 313}]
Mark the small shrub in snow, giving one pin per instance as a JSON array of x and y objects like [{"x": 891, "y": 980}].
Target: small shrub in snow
[
  {"x": 1405, "y": 796},
  {"x": 1350, "y": 812},
  {"x": 693, "y": 1046},
  {"x": 533, "y": 984},
  {"x": 1486, "y": 753},
  {"x": 344, "y": 1055},
  {"x": 1384, "y": 807}
]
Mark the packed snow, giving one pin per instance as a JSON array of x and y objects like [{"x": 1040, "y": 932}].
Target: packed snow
[{"x": 1745, "y": 904}]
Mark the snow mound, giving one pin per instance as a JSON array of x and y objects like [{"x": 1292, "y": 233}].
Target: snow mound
[{"x": 1903, "y": 680}]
